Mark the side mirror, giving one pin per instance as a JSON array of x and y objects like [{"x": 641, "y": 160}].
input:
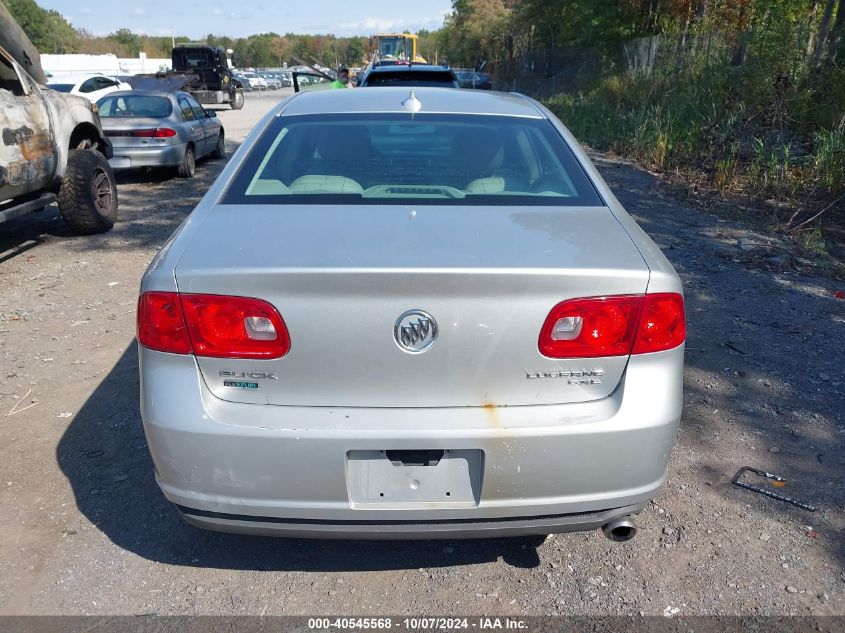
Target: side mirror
[{"x": 210, "y": 114}]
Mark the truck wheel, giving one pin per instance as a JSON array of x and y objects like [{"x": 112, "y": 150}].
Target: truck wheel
[
  {"x": 220, "y": 150},
  {"x": 237, "y": 100},
  {"x": 188, "y": 167},
  {"x": 88, "y": 194}
]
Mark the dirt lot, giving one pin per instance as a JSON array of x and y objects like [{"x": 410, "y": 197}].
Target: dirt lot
[{"x": 86, "y": 531}]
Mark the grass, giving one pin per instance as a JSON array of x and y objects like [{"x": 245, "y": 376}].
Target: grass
[
  {"x": 749, "y": 132},
  {"x": 829, "y": 158}
]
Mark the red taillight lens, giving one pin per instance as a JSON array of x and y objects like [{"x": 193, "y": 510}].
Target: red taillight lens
[
  {"x": 160, "y": 323},
  {"x": 614, "y": 326},
  {"x": 663, "y": 324},
  {"x": 590, "y": 328},
  {"x": 234, "y": 327},
  {"x": 159, "y": 132},
  {"x": 211, "y": 325}
]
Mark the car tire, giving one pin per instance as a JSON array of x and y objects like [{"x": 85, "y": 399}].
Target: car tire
[
  {"x": 237, "y": 100},
  {"x": 88, "y": 193},
  {"x": 188, "y": 167},
  {"x": 220, "y": 150}
]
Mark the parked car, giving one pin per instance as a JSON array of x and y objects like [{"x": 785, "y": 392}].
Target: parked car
[
  {"x": 409, "y": 75},
  {"x": 474, "y": 79},
  {"x": 484, "y": 344},
  {"x": 53, "y": 150},
  {"x": 157, "y": 129},
  {"x": 271, "y": 81},
  {"x": 92, "y": 87},
  {"x": 286, "y": 79},
  {"x": 252, "y": 80},
  {"x": 310, "y": 80}
]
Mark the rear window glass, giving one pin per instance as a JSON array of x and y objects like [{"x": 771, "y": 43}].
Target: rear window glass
[
  {"x": 61, "y": 87},
  {"x": 192, "y": 57},
  {"x": 134, "y": 106},
  {"x": 414, "y": 159}
]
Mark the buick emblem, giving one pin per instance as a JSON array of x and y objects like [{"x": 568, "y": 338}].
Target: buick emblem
[{"x": 415, "y": 331}]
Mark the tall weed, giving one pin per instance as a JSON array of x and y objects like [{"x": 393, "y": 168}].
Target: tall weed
[{"x": 829, "y": 159}]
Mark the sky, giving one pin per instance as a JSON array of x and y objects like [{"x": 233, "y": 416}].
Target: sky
[{"x": 197, "y": 18}]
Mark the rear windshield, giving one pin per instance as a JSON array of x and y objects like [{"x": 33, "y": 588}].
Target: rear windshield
[
  {"x": 134, "y": 106},
  {"x": 419, "y": 159},
  {"x": 61, "y": 87},
  {"x": 192, "y": 58}
]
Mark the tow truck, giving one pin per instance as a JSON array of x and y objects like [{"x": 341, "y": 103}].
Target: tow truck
[{"x": 205, "y": 72}]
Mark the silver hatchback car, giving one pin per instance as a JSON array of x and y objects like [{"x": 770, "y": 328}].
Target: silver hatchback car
[{"x": 410, "y": 314}]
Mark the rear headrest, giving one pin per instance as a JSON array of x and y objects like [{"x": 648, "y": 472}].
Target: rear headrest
[
  {"x": 339, "y": 142},
  {"x": 477, "y": 147}
]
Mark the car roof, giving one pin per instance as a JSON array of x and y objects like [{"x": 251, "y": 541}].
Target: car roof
[
  {"x": 410, "y": 67},
  {"x": 390, "y": 99},
  {"x": 73, "y": 79},
  {"x": 144, "y": 93}
]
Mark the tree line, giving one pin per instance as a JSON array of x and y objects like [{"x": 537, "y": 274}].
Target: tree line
[
  {"x": 499, "y": 31},
  {"x": 502, "y": 31},
  {"x": 50, "y": 32},
  {"x": 745, "y": 97}
]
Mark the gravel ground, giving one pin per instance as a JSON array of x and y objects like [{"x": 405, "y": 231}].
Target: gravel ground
[{"x": 86, "y": 530}]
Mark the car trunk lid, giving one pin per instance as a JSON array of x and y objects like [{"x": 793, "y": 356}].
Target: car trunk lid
[
  {"x": 124, "y": 131},
  {"x": 341, "y": 277}
]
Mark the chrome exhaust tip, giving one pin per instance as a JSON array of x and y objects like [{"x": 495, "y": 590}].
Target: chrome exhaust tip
[{"x": 620, "y": 530}]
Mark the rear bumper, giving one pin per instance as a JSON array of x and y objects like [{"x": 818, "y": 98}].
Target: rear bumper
[
  {"x": 409, "y": 529},
  {"x": 133, "y": 157},
  {"x": 280, "y": 470}
]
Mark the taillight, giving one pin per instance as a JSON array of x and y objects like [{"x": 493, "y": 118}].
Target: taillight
[
  {"x": 161, "y": 325},
  {"x": 613, "y": 326},
  {"x": 589, "y": 328},
  {"x": 159, "y": 132},
  {"x": 234, "y": 327},
  {"x": 211, "y": 325},
  {"x": 663, "y": 324}
]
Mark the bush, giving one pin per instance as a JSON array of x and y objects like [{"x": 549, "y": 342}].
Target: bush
[{"x": 754, "y": 129}]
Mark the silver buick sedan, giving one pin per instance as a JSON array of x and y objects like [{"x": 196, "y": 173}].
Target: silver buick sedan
[{"x": 410, "y": 314}]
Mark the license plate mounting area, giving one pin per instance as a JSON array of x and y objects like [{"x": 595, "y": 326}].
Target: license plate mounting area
[{"x": 410, "y": 479}]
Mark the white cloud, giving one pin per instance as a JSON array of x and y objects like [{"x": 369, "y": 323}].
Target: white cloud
[
  {"x": 372, "y": 25},
  {"x": 138, "y": 12},
  {"x": 236, "y": 15},
  {"x": 87, "y": 10},
  {"x": 368, "y": 24}
]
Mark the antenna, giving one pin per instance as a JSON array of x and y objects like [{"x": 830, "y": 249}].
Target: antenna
[{"x": 412, "y": 104}]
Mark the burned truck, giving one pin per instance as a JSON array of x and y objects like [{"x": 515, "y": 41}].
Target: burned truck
[
  {"x": 52, "y": 149},
  {"x": 208, "y": 77}
]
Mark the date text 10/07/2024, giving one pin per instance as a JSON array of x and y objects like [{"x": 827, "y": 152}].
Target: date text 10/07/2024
[{"x": 418, "y": 624}]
